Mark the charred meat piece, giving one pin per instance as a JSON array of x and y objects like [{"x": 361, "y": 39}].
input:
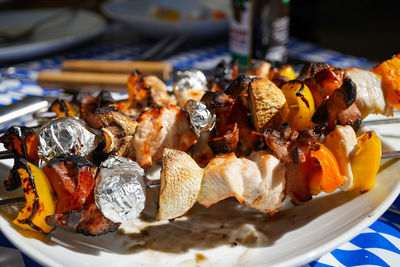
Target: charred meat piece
[
  {"x": 293, "y": 149},
  {"x": 230, "y": 110},
  {"x": 88, "y": 104},
  {"x": 322, "y": 80},
  {"x": 93, "y": 222},
  {"x": 237, "y": 86},
  {"x": 221, "y": 105},
  {"x": 118, "y": 131},
  {"x": 227, "y": 141},
  {"x": 311, "y": 69},
  {"x": 339, "y": 107},
  {"x": 159, "y": 128},
  {"x": 201, "y": 152},
  {"x": 72, "y": 178},
  {"x": 224, "y": 73}
]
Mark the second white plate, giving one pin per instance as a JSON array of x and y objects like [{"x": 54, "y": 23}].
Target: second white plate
[{"x": 69, "y": 28}]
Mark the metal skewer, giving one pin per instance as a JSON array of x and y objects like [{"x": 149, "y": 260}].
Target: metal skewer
[{"x": 156, "y": 183}]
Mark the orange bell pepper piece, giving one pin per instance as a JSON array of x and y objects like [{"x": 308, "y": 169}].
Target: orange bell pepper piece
[
  {"x": 325, "y": 174},
  {"x": 63, "y": 108},
  {"x": 389, "y": 71}
]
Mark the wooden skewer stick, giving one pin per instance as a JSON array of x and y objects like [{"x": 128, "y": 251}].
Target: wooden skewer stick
[
  {"x": 161, "y": 69},
  {"x": 91, "y": 81}
]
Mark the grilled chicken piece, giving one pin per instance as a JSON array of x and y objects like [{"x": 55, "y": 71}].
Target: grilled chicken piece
[
  {"x": 268, "y": 192},
  {"x": 258, "y": 181},
  {"x": 118, "y": 131},
  {"x": 341, "y": 142},
  {"x": 261, "y": 70},
  {"x": 182, "y": 96},
  {"x": 370, "y": 98},
  {"x": 158, "y": 91},
  {"x": 159, "y": 128},
  {"x": 180, "y": 184},
  {"x": 222, "y": 179},
  {"x": 339, "y": 107},
  {"x": 267, "y": 104}
]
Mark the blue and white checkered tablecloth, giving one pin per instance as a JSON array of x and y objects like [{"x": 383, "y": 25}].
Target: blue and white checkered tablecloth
[{"x": 378, "y": 245}]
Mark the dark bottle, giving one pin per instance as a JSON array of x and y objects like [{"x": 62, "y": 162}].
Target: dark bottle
[{"x": 259, "y": 29}]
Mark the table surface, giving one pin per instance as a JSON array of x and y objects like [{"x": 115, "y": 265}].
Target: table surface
[{"x": 19, "y": 83}]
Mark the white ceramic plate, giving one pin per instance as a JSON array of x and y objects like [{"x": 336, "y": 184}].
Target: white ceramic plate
[
  {"x": 226, "y": 234},
  {"x": 136, "y": 14},
  {"x": 66, "y": 30}
]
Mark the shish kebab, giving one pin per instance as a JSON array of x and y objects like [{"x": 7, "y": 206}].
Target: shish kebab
[{"x": 253, "y": 102}]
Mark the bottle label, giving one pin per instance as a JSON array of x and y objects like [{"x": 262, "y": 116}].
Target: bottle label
[{"x": 240, "y": 31}]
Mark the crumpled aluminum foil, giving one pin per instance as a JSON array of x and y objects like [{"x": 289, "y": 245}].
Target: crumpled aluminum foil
[
  {"x": 67, "y": 135},
  {"x": 190, "y": 79},
  {"x": 201, "y": 119},
  {"x": 120, "y": 192}
]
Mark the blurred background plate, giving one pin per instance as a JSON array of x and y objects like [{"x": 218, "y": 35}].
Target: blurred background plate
[
  {"x": 70, "y": 27},
  {"x": 138, "y": 15}
]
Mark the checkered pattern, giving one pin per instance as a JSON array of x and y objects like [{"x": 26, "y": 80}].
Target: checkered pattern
[{"x": 377, "y": 245}]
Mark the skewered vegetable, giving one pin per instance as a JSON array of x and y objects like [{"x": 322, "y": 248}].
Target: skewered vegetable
[
  {"x": 301, "y": 104},
  {"x": 39, "y": 199},
  {"x": 261, "y": 165},
  {"x": 267, "y": 104}
]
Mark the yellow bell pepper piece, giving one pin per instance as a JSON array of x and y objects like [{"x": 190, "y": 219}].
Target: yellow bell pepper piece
[
  {"x": 39, "y": 199},
  {"x": 365, "y": 161},
  {"x": 301, "y": 104},
  {"x": 288, "y": 72}
]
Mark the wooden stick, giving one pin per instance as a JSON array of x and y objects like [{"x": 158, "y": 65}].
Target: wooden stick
[
  {"x": 92, "y": 81},
  {"x": 160, "y": 69}
]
